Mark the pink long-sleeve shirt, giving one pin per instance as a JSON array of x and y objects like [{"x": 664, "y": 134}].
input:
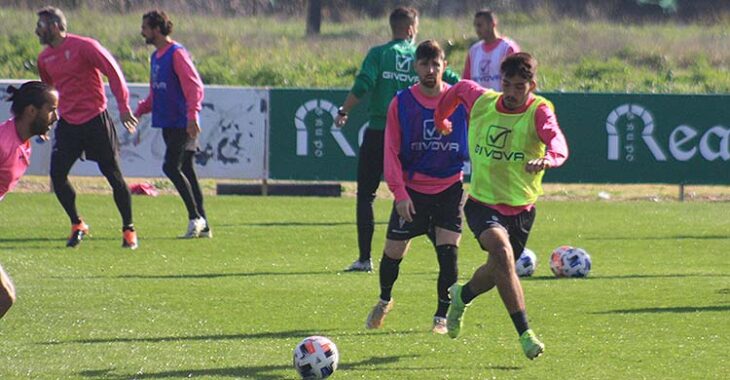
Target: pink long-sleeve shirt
[
  {"x": 14, "y": 157},
  {"x": 546, "y": 124},
  {"x": 397, "y": 178},
  {"x": 190, "y": 82},
  {"x": 75, "y": 69}
]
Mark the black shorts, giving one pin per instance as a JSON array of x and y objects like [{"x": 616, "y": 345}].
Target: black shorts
[
  {"x": 96, "y": 139},
  {"x": 432, "y": 210},
  {"x": 178, "y": 140},
  {"x": 481, "y": 217}
]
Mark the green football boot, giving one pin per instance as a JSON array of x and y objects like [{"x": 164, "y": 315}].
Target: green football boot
[
  {"x": 455, "y": 316},
  {"x": 531, "y": 345}
]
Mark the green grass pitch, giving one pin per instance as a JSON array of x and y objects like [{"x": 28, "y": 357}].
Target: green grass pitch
[{"x": 656, "y": 305}]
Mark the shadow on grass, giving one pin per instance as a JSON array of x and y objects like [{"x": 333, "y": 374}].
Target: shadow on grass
[
  {"x": 27, "y": 239},
  {"x": 678, "y": 309},
  {"x": 625, "y": 276},
  {"x": 675, "y": 237},
  {"x": 217, "y": 275},
  {"x": 255, "y": 372},
  {"x": 260, "y": 335},
  {"x": 190, "y": 276},
  {"x": 293, "y": 224},
  {"x": 225, "y": 275}
]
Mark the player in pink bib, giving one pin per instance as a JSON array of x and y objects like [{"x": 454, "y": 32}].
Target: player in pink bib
[
  {"x": 34, "y": 111},
  {"x": 485, "y": 57}
]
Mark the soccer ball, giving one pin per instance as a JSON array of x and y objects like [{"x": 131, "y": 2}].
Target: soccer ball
[
  {"x": 576, "y": 263},
  {"x": 526, "y": 263},
  {"x": 556, "y": 260},
  {"x": 316, "y": 357},
  {"x": 567, "y": 261}
]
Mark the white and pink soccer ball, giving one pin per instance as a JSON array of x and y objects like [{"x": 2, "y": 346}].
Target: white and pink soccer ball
[{"x": 567, "y": 261}]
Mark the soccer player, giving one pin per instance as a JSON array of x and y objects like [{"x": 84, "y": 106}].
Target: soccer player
[
  {"x": 34, "y": 111},
  {"x": 485, "y": 56},
  {"x": 74, "y": 65},
  {"x": 387, "y": 69},
  {"x": 513, "y": 138},
  {"x": 7, "y": 292},
  {"x": 175, "y": 99},
  {"x": 424, "y": 172}
]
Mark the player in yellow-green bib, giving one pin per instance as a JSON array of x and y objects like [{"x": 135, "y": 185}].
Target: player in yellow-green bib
[
  {"x": 386, "y": 69},
  {"x": 513, "y": 138}
]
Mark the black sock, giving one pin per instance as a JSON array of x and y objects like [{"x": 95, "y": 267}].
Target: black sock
[
  {"x": 389, "y": 269},
  {"x": 448, "y": 273},
  {"x": 519, "y": 319},
  {"x": 466, "y": 294},
  {"x": 128, "y": 227}
]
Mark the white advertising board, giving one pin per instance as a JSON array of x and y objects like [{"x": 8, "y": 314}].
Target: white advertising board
[{"x": 232, "y": 144}]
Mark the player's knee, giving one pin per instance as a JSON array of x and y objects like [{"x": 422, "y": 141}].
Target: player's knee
[
  {"x": 395, "y": 249},
  {"x": 501, "y": 255},
  {"x": 170, "y": 169},
  {"x": 58, "y": 176}
]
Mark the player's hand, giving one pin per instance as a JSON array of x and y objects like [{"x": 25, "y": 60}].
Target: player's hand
[
  {"x": 537, "y": 165},
  {"x": 129, "y": 122},
  {"x": 447, "y": 129},
  {"x": 340, "y": 120},
  {"x": 405, "y": 209},
  {"x": 193, "y": 128}
]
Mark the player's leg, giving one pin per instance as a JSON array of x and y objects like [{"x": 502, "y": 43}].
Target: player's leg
[
  {"x": 400, "y": 232},
  {"x": 175, "y": 140},
  {"x": 478, "y": 217},
  {"x": 188, "y": 170},
  {"x": 389, "y": 269},
  {"x": 447, "y": 251},
  {"x": 122, "y": 196},
  {"x": 447, "y": 225},
  {"x": 500, "y": 269},
  {"x": 67, "y": 148},
  {"x": 7, "y": 292},
  {"x": 102, "y": 146},
  {"x": 369, "y": 174}
]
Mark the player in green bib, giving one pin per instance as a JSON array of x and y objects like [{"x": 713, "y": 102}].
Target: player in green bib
[
  {"x": 513, "y": 138},
  {"x": 387, "y": 69}
]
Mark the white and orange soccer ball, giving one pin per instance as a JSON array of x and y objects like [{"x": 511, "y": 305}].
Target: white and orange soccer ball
[
  {"x": 567, "y": 261},
  {"x": 316, "y": 357},
  {"x": 556, "y": 260}
]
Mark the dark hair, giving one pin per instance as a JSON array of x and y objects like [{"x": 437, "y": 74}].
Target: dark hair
[
  {"x": 522, "y": 64},
  {"x": 158, "y": 19},
  {"x": 429, "y": 49},
  {"x": 33, "y": 93},
  {"x": 487, "y": 14},
  {"x": 55, "y": 15},
  {"x": 403, "y": 17}
]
